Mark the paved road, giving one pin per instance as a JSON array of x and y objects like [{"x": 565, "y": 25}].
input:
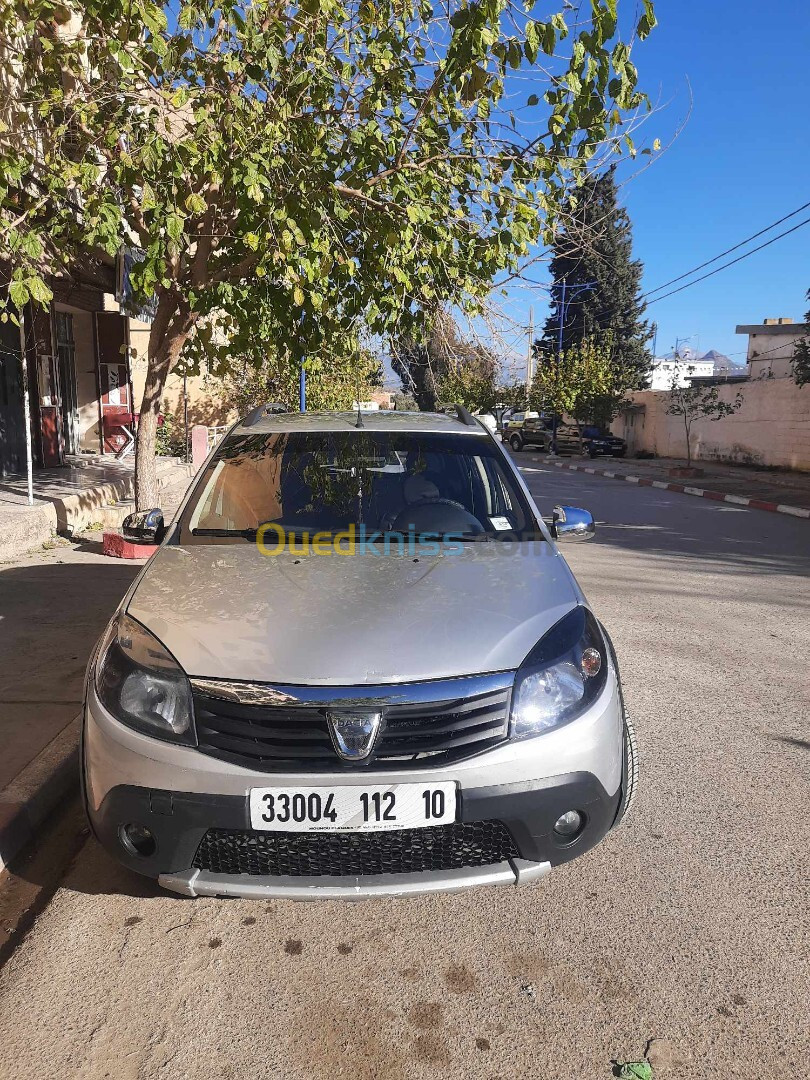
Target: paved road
[{"x": 689, "y": 925}]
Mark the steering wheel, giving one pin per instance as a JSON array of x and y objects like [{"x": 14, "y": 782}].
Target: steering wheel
[{"x": 459, "y": 519}]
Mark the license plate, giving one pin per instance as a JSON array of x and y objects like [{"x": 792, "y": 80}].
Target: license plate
[{"x": 352, "y": 809}]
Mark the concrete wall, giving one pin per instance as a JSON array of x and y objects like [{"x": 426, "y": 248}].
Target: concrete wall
[
  {"x": 771, "y": 428},
  {"x": 772, "y": 346}
]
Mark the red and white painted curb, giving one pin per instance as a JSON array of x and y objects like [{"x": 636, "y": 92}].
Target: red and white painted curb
[{"x": 685, "y": 489}]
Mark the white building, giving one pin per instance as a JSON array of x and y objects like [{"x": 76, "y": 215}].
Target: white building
[{"x": 663, "y": 371}]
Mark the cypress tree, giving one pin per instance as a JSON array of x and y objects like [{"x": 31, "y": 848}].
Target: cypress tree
[
  {"x": 594, "y": 244},
  {"x": 801, "y": 357}
]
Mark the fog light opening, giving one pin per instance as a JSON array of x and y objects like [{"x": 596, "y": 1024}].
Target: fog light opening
[
  {"x": 568, "y": 826},
  {"x": 137, "y": 840}
]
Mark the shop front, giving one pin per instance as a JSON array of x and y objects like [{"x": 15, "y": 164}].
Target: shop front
[{"x": 76, "y": 368}]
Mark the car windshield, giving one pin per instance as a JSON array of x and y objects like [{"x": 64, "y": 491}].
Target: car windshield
[
  {"x": 592, "y": 433},
  {"x": 385, "y": 482}
]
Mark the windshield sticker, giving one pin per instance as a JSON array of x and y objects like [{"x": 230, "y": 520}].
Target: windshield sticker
[{"x": 502, "y": 524}]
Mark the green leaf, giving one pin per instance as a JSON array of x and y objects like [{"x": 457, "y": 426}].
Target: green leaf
[
  {"x": 196, "y": 204},
  {"x": 251, "y": 240},
  {"x": 636, "y": 1070},
  {"x": 39, "y": 290},
  {"x": 533, "y": 100},
  {"x": 174, "y": 227},
  {"x": 18, "y": 293}
]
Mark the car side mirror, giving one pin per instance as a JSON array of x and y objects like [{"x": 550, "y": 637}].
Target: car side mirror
[
  {"x": 571, "y": 523},
  {"x": 144, "y": 526}
]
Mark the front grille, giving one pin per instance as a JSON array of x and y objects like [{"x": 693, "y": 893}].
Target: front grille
[
  {"x": 278, "y": 738},
  {"x": 401, "y": 851}
]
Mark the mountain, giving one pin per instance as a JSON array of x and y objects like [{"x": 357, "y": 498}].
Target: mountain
[{"x": 723, "y": 365}]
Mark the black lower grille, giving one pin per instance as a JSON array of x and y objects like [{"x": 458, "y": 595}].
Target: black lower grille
[
  {"x": 279, "y": 738},
  {"x": 401, "y": 851}
]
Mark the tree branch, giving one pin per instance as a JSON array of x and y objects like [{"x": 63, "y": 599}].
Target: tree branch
[{"x": 378, "y": 204}]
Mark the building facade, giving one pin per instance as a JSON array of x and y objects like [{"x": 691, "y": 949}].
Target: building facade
[
  {"x": 72, "y": 361},
  {"x": 771, "y": 345},
  {"x": 664, "y": 370}
]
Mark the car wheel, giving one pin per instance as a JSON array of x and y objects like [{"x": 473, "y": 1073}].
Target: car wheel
[{"x": 516, "y": 443}]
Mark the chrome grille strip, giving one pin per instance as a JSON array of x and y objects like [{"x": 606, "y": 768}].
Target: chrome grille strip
[{"x": 412, "y": 693}]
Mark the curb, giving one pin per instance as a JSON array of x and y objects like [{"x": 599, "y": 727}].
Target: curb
[
  {"x": 33, "y": 793},
  {"x": 25, "y": 530},
  {"x": 116, "y": 547},
  {"x": 685, "y": 489}
]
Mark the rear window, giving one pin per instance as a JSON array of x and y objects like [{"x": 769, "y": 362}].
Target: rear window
[{"x": 387, "y": 482}]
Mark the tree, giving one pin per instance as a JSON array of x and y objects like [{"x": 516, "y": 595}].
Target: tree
[
  {"x": 696, "y": 401},
  {"x": 404, "y": 402},
  {"x": 306, "y": 171},
  {"x": 801, "y": 357},
  {"x": 422, "y": 359},
  {"x": 247, "y": 382},
  {"x": 593, "y": 256},
  {"x": 574, "y": 383},
  {"x": 444, "y": 366}
]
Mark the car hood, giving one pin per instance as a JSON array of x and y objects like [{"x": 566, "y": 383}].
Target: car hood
[{"x": 229, "y": 612}]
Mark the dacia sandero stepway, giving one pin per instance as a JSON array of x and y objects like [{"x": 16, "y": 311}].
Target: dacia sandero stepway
[{"x": 356, "y": 665}]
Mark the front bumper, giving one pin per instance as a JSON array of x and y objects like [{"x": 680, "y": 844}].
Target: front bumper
[
  {"x": 179, "y": 820},
  {"x": 179, "y": 794}
]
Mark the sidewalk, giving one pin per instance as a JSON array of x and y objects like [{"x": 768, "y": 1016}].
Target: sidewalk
[
  {"x": 761, "y": 489},
  {"x": 54, "y": 604},
  {"x": 67, "y": 500}
]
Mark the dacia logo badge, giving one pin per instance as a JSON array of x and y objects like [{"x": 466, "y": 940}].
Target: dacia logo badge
[{"x": 353, "y": 732}]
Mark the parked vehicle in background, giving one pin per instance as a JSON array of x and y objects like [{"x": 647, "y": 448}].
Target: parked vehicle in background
[
  {"x": 504, "y": 415},
  {"x": 595, "y": 441},
  {"x": 531, "y": 430},
  {"x": 257, "y": 722}
]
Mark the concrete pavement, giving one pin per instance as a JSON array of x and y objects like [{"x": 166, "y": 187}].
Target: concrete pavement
[
  {"x": 688, "y": 925},
  {"x": 54, "y": 604}
]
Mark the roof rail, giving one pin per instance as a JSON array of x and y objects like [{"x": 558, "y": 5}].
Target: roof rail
[
  {"x": 464, "y": 415},
  {"x": 270, "y": 409}
]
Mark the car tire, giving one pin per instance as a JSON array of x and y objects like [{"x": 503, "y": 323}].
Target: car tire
[
  {"x": 516, "y": 443},
  {"x": 630, "y": 754},
  {"x": 629, "y": 768}
]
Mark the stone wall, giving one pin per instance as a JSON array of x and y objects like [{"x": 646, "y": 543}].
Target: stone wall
[{"x": 771, "y": 428}]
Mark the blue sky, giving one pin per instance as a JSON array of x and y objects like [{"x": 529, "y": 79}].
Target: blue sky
[{"x": 741, "y": 161}]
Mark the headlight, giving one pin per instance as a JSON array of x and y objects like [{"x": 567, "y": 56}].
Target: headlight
[
  {"x": 141, "y": 684},
  {"x": 562, "y": 675}
]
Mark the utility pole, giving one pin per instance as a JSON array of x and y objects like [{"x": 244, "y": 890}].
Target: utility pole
[{"x": 530, "y": 352}]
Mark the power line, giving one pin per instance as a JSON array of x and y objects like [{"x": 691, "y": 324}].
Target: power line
[
  {"x": 725, "y": 266},
  {"x": 728, "y": 251}
]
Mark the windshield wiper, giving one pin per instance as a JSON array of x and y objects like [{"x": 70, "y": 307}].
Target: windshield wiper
[{"x": 248, "y": 534}]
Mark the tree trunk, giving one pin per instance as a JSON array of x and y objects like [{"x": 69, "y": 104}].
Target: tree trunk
[
  {"x": 687, "y": 425},
  {"x": 171, "y": 326}
]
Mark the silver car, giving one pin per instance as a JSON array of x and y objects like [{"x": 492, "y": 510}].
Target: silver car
[{"x": 357, "y": 665}]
